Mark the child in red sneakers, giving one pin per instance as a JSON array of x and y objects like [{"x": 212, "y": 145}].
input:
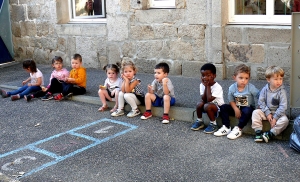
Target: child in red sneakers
[
  {"x": 75, "y": 84},
  {"x": 160, "y": 93},
  {"x": 36, "y": 79},
  {"x": 58, "y": 74}
]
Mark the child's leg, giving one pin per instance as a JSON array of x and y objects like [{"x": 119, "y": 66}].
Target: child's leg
[
  {"x": 132, "y": 100},
  {"x": 30, "y": 90},
  {"x": 167, "y": 104},
  {"x": 246, "y": 113},
  {"x": 225, "y": 111},
  {"x": 149, "y": 98},
  {"x": 280, "y": 125},
  {"x": 211, "y": 110},
  {"x": 199, "y": 109},
  {"x": 116, "y": 98},
  {"x": 56, "y": 86},
  {"x": 15, "y": 92},
  {"x": 257, "y": 117},
  {"x": 103, "y": 94},
  {"x": 121, "y": 101},
  {"x": 75, "y": 89}
]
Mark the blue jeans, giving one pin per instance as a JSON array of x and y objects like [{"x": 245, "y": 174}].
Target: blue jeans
[
  {"x": 25, "y": 90},
  {"x": 227, "y": 110}
]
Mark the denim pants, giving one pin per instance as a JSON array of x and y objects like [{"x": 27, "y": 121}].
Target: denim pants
[
  {"x": 25, "y": 90},
  {"x": 227, "y": 110},
  {"x": 58, "y": 86}
]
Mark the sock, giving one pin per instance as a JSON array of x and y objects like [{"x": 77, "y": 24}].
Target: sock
[
  {"x": 199, "y": 120},
  {"x": 32, "y": 96},
  {"x": 166, "y": 114},
  {"x": 148, "y": 111},
  {"x": 49, "y": 93},
  {"x": 214, "y": 122}
]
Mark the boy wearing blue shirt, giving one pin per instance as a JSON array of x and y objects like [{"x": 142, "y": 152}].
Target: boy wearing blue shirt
[{"x": 242, "y": 97}]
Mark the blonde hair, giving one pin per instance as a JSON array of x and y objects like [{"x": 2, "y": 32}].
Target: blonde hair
[
  {"x": 274, "y": 70},
  {"x": 242, "y": 68},
  {"x": 128, "y": 63}
]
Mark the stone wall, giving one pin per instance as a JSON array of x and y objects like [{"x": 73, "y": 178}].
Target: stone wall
[
  {"x": 258, "y": 47},
  {"x": 186, "y": 37}
]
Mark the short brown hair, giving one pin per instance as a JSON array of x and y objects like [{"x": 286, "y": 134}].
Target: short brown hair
[
  {"x": 242, "y": 68},
  {"x": 77, "y": 57},
  {"x": 274, "y": 70}
]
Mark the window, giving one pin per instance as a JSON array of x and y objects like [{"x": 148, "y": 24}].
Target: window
[
  {"x": 87, "y": 10},
  {"x": 162, "y": 3},
  {"x": 262, "y": 11}
]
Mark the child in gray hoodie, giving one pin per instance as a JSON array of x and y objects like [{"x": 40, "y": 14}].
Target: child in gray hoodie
[{"x": 272, "y": 105}]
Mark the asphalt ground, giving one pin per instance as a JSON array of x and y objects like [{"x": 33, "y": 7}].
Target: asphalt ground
[
  {"x": 37, "y": 139},
  {"x": 72, "y": 141}
]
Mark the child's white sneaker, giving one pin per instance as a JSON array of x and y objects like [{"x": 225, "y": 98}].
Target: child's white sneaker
[
  {"x": 133, "y": 113},
  {"x": 235, "y": 133},
  {"x": 118, "y": 112},
  {"x": 222, "y": 131}
]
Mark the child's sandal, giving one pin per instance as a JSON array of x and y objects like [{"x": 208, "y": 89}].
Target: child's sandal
[
  {"x": 103, "y": 108},
  {"x": 114, "y": 109}
]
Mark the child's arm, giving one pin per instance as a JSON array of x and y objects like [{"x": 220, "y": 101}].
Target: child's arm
[
  {"x": 150, "y": 90},
  {"x": 207, "y": 96},
  {"x": 280, "y": 111},
  {"x": 25, "y": 81},
  {"x": 38, "y": 82},
  {"x": 80, "y": 77},
  {"x": 165, "y": 86}
]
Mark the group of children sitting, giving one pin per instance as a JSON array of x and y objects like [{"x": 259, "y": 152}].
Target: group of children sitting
[{"x": 245, "y": 100}]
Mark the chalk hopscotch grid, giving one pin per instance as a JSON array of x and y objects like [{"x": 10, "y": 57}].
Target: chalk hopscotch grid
[{"x": 58, "y": 158}]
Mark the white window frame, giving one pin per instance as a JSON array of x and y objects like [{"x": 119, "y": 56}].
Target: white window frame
[
  {"x": 86, "y": 19},
  {"x": 269, "y": 18},
  {"x": 162, "y": 4}
]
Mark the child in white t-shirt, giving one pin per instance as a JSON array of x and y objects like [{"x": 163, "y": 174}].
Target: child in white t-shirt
[
  {"x": 36, "y": 80},
  {"x": 110, "y": 90}
]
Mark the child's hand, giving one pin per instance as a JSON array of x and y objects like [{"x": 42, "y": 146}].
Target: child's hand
[
  {"x": 273, "y": 123},
  {"x": 165, "y": 80},
  {"x": 270, "y": 118},
  {"x": 237, "y": 113},
  {"x": 44, "y": 89},
  {"x": 102, "y": 87},
  {"x": 113, "y": 92},
  {"x": 24, "y": 82},
  {"x": 124, "y": 77},
  {"x": 149, "y": 88}
]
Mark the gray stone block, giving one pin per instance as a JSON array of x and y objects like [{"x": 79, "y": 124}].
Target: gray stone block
[
  {"x": 128, "y": 49},
  {"x": 120, "y": 32},
  {"x": 196, "y": 12},
  {"x": 141, "y": 32},
  {"x": 165, "y": 31},
  {"x": 149, "y": 49},
  {"x": 19, "y": 13},
  {"x": 28, "y": 28},
  {"x": 113, "y": 53},
  {"x": 145, "y": 65},
  {"x": 34, "y": 11},
  {"x": 181, "y": 50},
  {"x": 260, "y": 35},
  {"x": 191, "y": 68},
  {"x": 233, "y": 33},
  {"x": 16, "y": 29}
]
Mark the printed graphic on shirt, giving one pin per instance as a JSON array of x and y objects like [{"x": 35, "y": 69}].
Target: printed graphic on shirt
[{"x": 241, "y": 100}]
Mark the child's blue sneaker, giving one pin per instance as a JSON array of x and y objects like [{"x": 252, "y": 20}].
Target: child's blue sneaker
[
  {"x": 197, "y": 125},
  {"x": 211, "y": 128}
]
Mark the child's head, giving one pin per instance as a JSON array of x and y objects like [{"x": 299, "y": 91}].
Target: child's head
[
  {"x": 29, "y": 65},
  {"x": 57, "y": 63},
  {"x": 112, "y": 70},
  {"x": 208, "y": 73},
  {"x": 242, "y": 75},
  {"x": 274, "y": 75},
  {"x": 76, "y": 61},
  {"x": 128, "y": 69},
  {"x": 161, "y": 71}
]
